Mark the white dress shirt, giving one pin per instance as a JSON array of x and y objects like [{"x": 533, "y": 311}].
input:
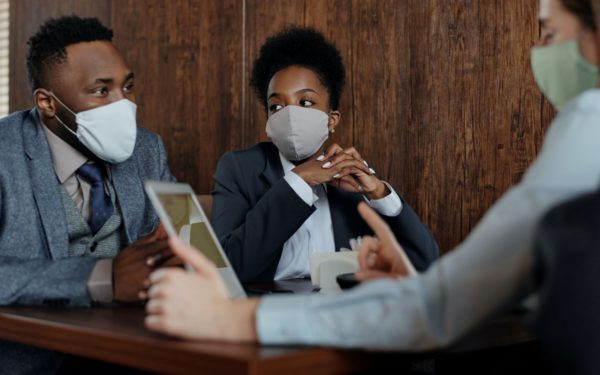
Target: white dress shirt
[
  {"x": 490, "y": 270},
  {"x": 316, "y": 233}
]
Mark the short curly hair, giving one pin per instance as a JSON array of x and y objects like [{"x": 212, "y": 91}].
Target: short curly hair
[
  {"x": 299, "y": 46},
  {"x": 47, "y": 47}
]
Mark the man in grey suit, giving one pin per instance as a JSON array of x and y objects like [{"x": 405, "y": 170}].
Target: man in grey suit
[{"x": 71, "y": 184}]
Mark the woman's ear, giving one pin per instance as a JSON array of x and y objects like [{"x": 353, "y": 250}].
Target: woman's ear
[
  {"x": 45, "y": 103},
  {"x": 334, "y": 120}
]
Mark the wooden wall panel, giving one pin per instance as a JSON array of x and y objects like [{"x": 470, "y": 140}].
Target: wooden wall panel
[
  {"x": 263, "y": 19},
  {"x": 187, "y": 56},
  {"x": 333, "y": 18},
  {"x": 26, "y": 16},
  {"x": 439, "y": 96}
]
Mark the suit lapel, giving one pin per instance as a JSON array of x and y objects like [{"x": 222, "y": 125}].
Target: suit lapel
[
  {"x": 273, "y": 171},
  {"x": 129, "y": 190},
  {"x": 45, "y": 186}
]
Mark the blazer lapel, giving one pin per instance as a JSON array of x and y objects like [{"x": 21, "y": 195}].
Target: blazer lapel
[
  {"x": 46, "y": 188},
  {"x": 130, "y": 198},
  {"x": 273, "y": 171}
]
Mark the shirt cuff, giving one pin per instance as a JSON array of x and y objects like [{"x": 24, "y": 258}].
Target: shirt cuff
[
  {"x": 99, "y": 284},
  {"x": 390, "y": 205},
  {"x": 283, "y": 320},
  {"x": 304, "y": 191}
]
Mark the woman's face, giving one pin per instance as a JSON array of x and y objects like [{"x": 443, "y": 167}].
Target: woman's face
[
  {"x": 559, "y": 26},
  {"x": 299, "y": 86}
]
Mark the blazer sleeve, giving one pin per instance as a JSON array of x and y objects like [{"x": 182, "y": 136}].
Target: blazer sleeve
[
  {"x": 45, "y": 282},
  {"x": 41, "y": 281},
  {"x": 414, "y": 236},
  {"x": 165, "y": 171},
  {"x": 253, "y": 235}
]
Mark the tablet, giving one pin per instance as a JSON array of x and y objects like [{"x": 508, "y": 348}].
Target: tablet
[{"x": 180, "y": 213}]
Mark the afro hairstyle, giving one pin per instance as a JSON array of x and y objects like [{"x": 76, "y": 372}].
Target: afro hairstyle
[
  {"x": 298, "y": 46},
  {"x": 47, "y": 47}
]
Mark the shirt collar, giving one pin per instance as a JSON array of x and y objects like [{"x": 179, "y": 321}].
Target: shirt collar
[
  {"x": 65, "y": 158},
  {"x": 288, "y": 166}
]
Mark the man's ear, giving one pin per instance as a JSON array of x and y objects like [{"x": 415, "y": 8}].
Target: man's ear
[
  {"x": 334, "y": 120},
  {"x": 45, "y": 103}
]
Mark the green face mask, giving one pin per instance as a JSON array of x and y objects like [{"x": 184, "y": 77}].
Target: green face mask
[{"x": 561, "y": 72}]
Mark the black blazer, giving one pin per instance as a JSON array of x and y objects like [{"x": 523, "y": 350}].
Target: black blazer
[{"x": 255, "y": 212}]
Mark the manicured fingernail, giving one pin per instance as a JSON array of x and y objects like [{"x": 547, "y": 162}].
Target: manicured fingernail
[
  {"x": 372, "y": 170},
  {"x": 366, "y": 164},
  {"x": 156, "y": 275},
  {"x": 360, "y": 188},
  {"x": 327, "y": 165},
  {"x": 337, "y": 175},
  {"x": 321, "y": 158},
  {"x": 142, "y": 295}
]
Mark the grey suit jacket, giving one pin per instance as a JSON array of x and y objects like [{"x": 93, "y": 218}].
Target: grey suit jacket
[{"x": 35, "y": 268}]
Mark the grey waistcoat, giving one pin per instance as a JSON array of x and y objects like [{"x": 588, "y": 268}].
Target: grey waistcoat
[{"x": 105, "y": 243}]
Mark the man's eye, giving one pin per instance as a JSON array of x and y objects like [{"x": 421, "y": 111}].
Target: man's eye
[
  {"x": 275, "y": 107},
  {"x": 101, "y": 91},
  {"x": 306, "y": 103}
]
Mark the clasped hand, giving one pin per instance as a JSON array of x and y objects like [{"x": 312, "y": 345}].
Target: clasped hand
[{"x": 343, "y": 168}]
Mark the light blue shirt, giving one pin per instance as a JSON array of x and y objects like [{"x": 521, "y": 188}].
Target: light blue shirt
[{"x": 489, "y": 271}]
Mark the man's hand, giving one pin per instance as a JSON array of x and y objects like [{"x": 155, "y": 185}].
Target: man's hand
[
  {"x": 195, "y": 305},
  {"x": 134, "y": 263},
  {"x": 381, "y": 256}
]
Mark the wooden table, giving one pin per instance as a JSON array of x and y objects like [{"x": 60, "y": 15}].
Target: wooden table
[{"x": 117, "y": 335}]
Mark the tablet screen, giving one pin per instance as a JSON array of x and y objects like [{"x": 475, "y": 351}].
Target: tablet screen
[{"x": 189, "y": 223}]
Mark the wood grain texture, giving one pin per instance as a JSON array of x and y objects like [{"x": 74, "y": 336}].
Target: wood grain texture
[
  {"x": 118, "y": 336},
  {"x": 439, "y": 95},
  {"x": 263, "y": 19},
  {"x": 26, "y": 16},
  {"x": 187, "y": 56}
]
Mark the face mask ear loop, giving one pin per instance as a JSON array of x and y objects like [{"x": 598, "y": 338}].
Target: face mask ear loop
[{"x": 68, "y": 109}]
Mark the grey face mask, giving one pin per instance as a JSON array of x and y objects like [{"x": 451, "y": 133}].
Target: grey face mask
[{"x": 298, "y": 132}]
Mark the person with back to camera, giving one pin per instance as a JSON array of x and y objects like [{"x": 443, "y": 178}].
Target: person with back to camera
[{"x": 490, "y": 271}]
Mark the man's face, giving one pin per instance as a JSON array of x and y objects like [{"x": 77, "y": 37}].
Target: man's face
[{"x": 95, "y": 74}]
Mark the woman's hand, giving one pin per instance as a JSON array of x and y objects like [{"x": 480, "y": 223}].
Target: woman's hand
[
  {"x": 353, "y": 172},
  {"x": 381, "y": 256},
  {"x": 195, "y": 305},
  {"x": 313, "y": 173}
]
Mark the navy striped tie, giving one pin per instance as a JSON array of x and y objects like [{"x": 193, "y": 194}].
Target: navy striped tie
[{"x": 100, "y": 204}]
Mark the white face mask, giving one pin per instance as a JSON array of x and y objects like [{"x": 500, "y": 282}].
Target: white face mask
[
  {"x": 108, "y": 131},
  {"x": 298, "y": 132}
]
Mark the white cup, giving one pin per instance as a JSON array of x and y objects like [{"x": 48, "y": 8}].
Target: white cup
[{"x": 325, "y": 267}]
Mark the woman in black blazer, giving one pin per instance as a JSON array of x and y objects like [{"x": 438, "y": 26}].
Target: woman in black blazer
[{"x": 277, "y": 202}]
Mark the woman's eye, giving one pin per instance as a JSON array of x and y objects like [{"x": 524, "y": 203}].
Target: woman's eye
[
  {"x": 275, "y": 107},
  {"x": 306, "y": 103},
  {"x": 129, "y": 87}
]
